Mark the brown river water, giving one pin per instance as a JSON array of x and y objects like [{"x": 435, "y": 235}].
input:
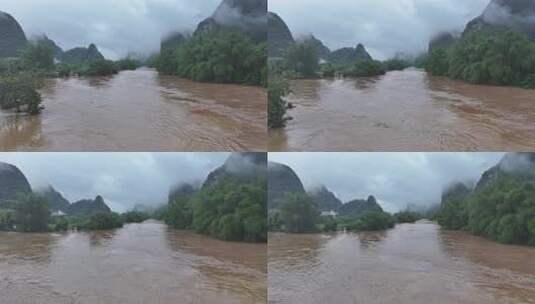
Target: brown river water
[
  {"x": 406, "y": 111},
  {"x": 412, "y": 263},
  {"x": 140, "y": 263},
  {"x": 140, "y": 111}
]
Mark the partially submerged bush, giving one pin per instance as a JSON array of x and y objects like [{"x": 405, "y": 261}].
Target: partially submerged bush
[
  {"x": 278, "y": 87},
  {"x": 19, "y": 92}
]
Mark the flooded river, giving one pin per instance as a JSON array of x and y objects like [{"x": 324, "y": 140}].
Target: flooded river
[
  {"x": 140, "y": 263},
  {"x": 140, "y": 111},
  {"x": 412, "y": 263},
  {"x": 406, "y": 111}
]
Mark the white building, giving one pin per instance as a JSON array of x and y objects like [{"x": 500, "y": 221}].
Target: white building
[{"x": 329, "y": 213}]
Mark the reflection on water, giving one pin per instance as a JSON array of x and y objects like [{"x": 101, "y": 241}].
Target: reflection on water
[
  {"x": 140, "y": 263},
  {"x": 406, "y": 111},
  {"x": 412, "y": 263},
  {"x": 140, "y": 110}
]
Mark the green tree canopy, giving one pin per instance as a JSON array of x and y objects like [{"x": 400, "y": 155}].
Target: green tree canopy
[
  {"x": 31, "y": 213},
  {"x": 299, "y": 213}
]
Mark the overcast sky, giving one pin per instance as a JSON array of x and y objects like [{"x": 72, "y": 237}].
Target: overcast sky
[
  {"x": 395, "y": 179},
  {"x": 385, "y": 27},
  {"x": 117, "y": 27},
  {"x": 123, "y": 179}
]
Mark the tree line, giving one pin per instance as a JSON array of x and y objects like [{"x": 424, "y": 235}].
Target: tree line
[
  {"x": 31, "y": 213},
  {"x": 503, "y": 211},
  {"x": 230, "y": 209},
  {"x": 482, "y": 57},
  {"x": 298, "y": 213},
  {"x": 222, "y": 56}
]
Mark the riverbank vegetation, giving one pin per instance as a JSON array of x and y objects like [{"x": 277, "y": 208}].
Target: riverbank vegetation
[
  {"x": 302, "y": 61},
  {"x": 230, "y": 209},
  {"x": 222, "y": 56},
  {"x": 503, "y": 211},
  {"x": 298, "y": 213},
  {"x": 31, "y": 213},
  {"x": 497, "y": 58}
]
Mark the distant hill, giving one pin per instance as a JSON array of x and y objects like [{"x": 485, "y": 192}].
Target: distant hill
[
  {"x": 82, "y": 55},
  {"x": 456, "y": 191},
  {"x": 57, "y": 51},
  {"x": 322, "y": 51},
  {"x": 12, "y": 182},
  {"x": 345, "y": 56},
  {"x": 88, "y": 207},
  {"x": 282, "y": 180},
  {"x": 519, "y": 164},
  {"x": 12, "y": 37},
  {"x": 279, "y": 35},
  {"x": 357, "y": 207},
  {"x": 172, "y": 41},
  {"x": 506, "y": 14},
  {"x": 248, "y": 16},
  {"x": 442, "y": 40},
  {"x": 55, "y": 200},
  {"x": 325, "y": 199},
  {"x": 182, "y": 191},
  {"x": 244, "y": 166}
]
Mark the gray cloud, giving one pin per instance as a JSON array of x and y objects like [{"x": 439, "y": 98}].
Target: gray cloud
[
  {"x": 385, "y": 27},
  {"x": 396, "y": 179},
  {"x": 116, "y": 27},
  {"x": 123, "y": 179}
]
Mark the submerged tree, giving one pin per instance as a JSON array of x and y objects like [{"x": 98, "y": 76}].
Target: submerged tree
[{"x": 278, "y": 88}]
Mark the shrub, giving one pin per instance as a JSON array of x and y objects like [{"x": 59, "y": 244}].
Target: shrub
[
  {"x": 372, "y": 221},
  {"x": 101, "y": 67},
  {"x": 366, "y": 68},
  {"x": 407, "y": 217},
  {"x": 20, "y": 91},
  {"x": 134, "y": 217},
  {"x": 103, "y": 221},
  {"x": 278, "y": 87}
]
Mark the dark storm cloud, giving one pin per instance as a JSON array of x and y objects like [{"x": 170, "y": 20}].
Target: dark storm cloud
[
  {"x": 385, "y": 27},
  {"x": 123, "y": 179},
  {"x": 396, "y": 179},
  {"x": 116, "y": 27}
]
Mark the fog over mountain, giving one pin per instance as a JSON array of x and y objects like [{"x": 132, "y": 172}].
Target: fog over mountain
[
  {"x": 395, "y": 179},
  {"x": 116, "y": 27},
  {"x": 123, "y": 179},
  {"x": 385, "y": 27}
]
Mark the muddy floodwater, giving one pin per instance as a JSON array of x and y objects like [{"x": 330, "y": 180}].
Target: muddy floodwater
[
  {"x": 406, "y": 111},
  {"x": 140, "y": 111},
  {"x": 412, "y": 263},
  {"x": 140, "y": 263}
]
